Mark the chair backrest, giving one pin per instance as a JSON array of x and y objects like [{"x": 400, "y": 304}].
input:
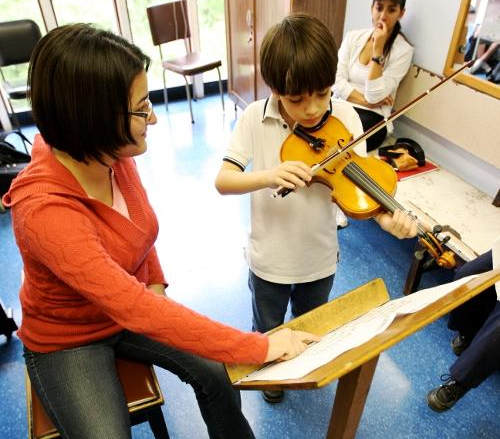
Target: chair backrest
[
  {"x": 17, "y": 41},
  {"x": 169, "y": 22}
]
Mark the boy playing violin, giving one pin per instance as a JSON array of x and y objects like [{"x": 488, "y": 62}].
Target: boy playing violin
[{"x": 292, "y": 250}]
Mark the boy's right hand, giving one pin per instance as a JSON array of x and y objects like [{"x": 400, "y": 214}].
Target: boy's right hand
[
  {"x": 286, "y": 344},
  {"x": 290, "y": 175}
]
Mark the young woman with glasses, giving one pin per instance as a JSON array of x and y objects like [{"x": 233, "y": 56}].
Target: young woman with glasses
[{"x": 93, "y": 287}]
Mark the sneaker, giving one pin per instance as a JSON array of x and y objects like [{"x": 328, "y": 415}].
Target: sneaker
[
  {"x": 445, "y": 396},
  {"x": 342, "y": 220},
  {"x": 480, "y": 66},
  {"x": 460, "y": 343},
  {"x": 273, "y": 396}
]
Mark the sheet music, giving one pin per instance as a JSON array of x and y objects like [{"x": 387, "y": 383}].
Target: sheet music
[{"x": 352, "y": 334}]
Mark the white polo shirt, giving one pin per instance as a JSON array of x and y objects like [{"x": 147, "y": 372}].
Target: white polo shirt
[{"x": 292, "y": 239}]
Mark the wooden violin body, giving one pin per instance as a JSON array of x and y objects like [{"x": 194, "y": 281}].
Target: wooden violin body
[
  {"x": 352, "y": 199},
  {"x": 361, "y": 186}
]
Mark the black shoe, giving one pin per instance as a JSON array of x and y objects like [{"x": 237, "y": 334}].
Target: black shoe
[
  {"x": 460, "y": 343},
  {"x": 273, "y": 396},
  {"x": 445, "y": 396}
]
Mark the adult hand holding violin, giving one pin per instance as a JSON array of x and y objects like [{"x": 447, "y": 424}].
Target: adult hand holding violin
[{"x": 286, "y": 344}]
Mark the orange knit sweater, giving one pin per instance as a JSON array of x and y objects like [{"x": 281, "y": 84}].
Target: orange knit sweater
[{"x": 87, "y": 266}]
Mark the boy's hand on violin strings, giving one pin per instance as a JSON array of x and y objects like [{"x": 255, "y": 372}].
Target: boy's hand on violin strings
[
  {"x": 398, "y": 224},
  {"x": 290, "y": 175},
  {"x": 286, "y": 344}
]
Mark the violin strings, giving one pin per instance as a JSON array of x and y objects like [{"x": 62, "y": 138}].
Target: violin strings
[{"x": 353, "y": 171}]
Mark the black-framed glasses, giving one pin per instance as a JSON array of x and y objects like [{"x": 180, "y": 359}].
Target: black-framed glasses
[{"x": 144, "y": 114}]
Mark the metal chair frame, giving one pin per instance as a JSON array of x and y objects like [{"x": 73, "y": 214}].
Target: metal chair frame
[{"x": 168, "y": 22}]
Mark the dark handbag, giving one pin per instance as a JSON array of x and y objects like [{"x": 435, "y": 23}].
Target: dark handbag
[
  {"x": 12, "y": 161},
  {"x": 403, "y": 146}
]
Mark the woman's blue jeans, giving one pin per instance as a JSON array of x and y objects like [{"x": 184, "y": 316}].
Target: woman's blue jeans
[{"x": 80, "y": 390}]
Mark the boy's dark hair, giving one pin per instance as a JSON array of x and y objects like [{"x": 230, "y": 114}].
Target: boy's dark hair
[
  {"x": 80, "y": 79},
  {"x": 298, "y": 55}
]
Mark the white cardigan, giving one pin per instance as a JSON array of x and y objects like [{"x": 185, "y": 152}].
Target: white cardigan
[{"x": 395, "y": 68}]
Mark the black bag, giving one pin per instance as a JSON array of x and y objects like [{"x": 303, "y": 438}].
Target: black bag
[
  {"x": 12, "y": 161},
  {"x": 413, "y": 148}
]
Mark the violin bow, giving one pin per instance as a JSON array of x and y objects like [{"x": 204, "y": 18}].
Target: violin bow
[{"x": 283, "y": 192}]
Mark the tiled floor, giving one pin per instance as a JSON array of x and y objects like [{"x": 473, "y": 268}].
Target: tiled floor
[{"x": 200, "y": 246}]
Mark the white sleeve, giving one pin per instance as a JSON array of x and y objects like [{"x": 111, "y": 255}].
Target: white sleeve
[
  {"x": 398, "y": 64},
  {"x": 240, "y": 150},
  {"x": 342, "y": 88}
]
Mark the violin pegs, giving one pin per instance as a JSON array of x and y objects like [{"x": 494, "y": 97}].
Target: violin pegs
[
  {"x": 437, "y": 229},
  {"x": 419, "y": 254},
  {"x": 428, "y": 263}
]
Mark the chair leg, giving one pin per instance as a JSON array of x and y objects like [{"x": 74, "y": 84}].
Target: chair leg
[
  {"x": 13, "y": 116},
  {"x": 188, "y": 94},
  {"x": 165, "y": 95},
  {"x": 220, "y": 90},
  {"x": 157, "y": 423}
]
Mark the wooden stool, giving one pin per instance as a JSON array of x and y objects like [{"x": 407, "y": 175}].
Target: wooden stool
[{"x": 142, "y": 392}]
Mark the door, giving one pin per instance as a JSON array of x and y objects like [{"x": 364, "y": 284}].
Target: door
[{"x": 241, "y": 50}]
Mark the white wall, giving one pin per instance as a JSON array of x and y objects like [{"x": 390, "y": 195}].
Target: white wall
[{"x": 428, "y": 25}]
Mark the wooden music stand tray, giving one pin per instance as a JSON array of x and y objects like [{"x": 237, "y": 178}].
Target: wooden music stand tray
[{"x": 356, "y": 367}]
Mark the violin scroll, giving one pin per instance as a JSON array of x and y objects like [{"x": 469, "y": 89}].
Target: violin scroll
[{"x": 435, "y": 248}]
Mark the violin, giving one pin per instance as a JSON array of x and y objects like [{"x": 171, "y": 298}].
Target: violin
[{"x": 361, "y": 186}]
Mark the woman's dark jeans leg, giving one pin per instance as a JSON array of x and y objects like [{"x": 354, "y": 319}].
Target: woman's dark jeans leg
[
  {"x": 219, "y": 402},
  {"x": 81, "y": 392},
  {"x": 368, "y": 120}
]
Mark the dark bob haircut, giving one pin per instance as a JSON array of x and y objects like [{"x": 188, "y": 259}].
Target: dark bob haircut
[
  {"x": 298, "y": 55},
  {"x": 80, "y": 79}
]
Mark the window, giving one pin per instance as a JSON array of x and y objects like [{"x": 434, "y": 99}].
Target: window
[
  {"x": 102, "y": 13},
  {"x": 142, "y": 38},
  {"x": 99, "y": 12},
  {"x": 212, "y": 28},
  {"x": 15, "y": 10}
]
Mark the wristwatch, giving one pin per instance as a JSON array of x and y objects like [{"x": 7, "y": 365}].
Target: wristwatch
[{"x": 379, "y": 59}]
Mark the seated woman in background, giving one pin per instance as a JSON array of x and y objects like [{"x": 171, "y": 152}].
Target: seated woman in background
[
  {"x": 93, "y": 287},
  {"x": 372, "y": 62}
]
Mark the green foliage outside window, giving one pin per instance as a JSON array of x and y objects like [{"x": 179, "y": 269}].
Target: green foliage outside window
[{"x": 101, "y": 13}]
